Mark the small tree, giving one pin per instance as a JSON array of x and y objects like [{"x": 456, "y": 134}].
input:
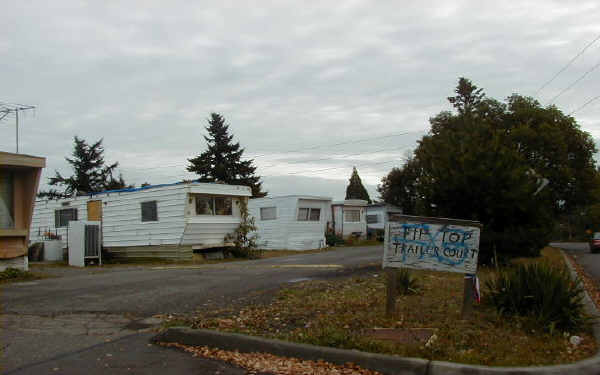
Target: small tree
[
  {"x": 355, "y": 188},
  {"x": 222, "y": 160},
  {"x": 244, "y": 244},
  {"x": 90, "y": 174}
]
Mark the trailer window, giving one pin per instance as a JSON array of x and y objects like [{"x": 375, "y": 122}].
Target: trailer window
[
  {"x": 223, "y": 206},
  {"x": 62, "y": 217},
  {"x": 268, "y": 213},
  {"x": 206, "y": 205},
  {"x": 309, "y": 214},
  {"x": 372, "y": 219},
  {"x": 149, "y": 211},
  {"x": 351, "y": 216}
]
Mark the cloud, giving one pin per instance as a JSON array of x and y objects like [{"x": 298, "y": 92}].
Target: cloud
[{"x": 145, "y": 76}]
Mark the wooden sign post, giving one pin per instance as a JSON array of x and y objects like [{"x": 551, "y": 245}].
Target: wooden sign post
[{"x": 437, "y": 244}]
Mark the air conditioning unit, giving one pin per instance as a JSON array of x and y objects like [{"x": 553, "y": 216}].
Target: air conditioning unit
[{"x": 85, "y": 242}]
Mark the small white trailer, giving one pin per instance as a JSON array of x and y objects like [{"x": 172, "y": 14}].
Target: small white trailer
[
  {"x": 350, "y": 218},
  {"x": 167, "y": 221},
  {"x": 378, "y": 215},
  {"x": 292, "y": 222}
]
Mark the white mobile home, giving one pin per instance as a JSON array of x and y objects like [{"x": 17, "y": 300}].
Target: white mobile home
[
  {"x": 167, "y": 221},
  {"x": 349, "y": 218},
  {"x": 378, "y": 215},
  {"x": 293, "y": 222}
]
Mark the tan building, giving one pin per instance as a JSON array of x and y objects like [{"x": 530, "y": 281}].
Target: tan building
[{"x": 19, "y": 179}]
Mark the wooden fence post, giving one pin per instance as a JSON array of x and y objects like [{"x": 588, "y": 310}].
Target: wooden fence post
[
  {"x": 392, "y": 279},
  {"x": 467, "y": 308}
]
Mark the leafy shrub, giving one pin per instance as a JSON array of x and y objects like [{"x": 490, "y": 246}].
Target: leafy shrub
[
  {"x": 244, "y": 244},
  {"x": 539, "y": 291},
  {"x": 14, "y": 273},
  {"x": 333, "y": 239},
  {"x": 406, "y": 283}
]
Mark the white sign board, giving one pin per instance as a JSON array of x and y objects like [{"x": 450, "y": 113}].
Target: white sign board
[{"x": 431, "y": 244}]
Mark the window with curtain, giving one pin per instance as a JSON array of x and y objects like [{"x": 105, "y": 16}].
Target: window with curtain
[{"x": 7, "y": 215}]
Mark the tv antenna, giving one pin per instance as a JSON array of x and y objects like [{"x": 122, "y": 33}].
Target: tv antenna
[{"x": 8, "y": 109}]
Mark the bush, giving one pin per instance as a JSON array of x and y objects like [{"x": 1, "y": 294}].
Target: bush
[
  {"x": 406, "y": 283},
  {"x": 244, "y": 242},
  {"x": 14, "y": 274},
  {"x": 333, "y": 239},
  {"x": 539, "y": 291}
]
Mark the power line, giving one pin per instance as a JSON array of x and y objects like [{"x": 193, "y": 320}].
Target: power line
[
  {"x": 290, "y": 151},
  {"x": 566, "y": 66},
  {"x": 576, "y": 82},
  {"x": 341, "y": 157},
  {"x": 585, "y": 104},
  {"x": 343, "y": 143}
]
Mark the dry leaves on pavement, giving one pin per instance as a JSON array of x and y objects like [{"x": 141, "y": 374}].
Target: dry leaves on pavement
[{"x": 264, "y": 362}]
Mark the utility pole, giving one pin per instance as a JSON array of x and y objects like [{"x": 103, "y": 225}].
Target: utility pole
[{"x": 10, "y": 108}]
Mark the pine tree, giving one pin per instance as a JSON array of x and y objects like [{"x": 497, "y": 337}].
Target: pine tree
[
  {"x": 221, "y": 162},
  {"x": 90, "y": 174},
  {"x": 355, "y": 189}
]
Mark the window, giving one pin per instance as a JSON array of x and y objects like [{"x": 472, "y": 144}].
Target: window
[
  {"x": 309, "y": 214},
  {"x": 372, "y": 219},
  {"x": 204, "y": 206},
  {"x": 213, "y": 205},
  {"x": 223, "y": 206},
  {"x": 315, "y": 214},
  {"x": 268, "y": 213},
  {"x": 351, "y": 216},
  {"x": 149, "y": 211},
  {"x": 6, "y": 201},
  {"x": 62, "y": 217}
]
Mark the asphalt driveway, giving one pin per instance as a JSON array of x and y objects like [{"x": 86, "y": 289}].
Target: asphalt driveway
[
  {"x": 581, "y": 252},
  {"x": 51, "y": 323}
]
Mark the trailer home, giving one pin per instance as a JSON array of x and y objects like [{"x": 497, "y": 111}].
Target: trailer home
[
  {"x": 166, "y": 221},
  {"x": 349, "y": 218},
  {"x": 293, "y": 222},
  {"x": 378, "y": 215}
]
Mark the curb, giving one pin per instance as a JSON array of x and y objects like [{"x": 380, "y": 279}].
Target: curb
[{"x": 386, "y": 364}]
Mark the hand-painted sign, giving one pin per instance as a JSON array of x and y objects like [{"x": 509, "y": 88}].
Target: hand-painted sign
[{"x": 432, "y": 243}]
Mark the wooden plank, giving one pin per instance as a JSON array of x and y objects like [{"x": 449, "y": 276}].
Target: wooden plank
[
  {"x": 94, "y": 210},
  {"x": 21, "y": 160}
]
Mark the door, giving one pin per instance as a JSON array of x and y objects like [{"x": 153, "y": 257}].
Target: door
[{"x": 94, "y": 210}]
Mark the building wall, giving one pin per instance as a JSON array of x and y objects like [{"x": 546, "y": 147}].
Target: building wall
[
  {"x": 381, "y": 213},
  {"x": 345, "y": 228},
  {"x": 21, "y": 174},
  {"x": 122, "y": 221},
  {"x": 286, "y": 232}
]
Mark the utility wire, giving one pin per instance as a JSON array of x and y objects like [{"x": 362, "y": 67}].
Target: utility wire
[
  {"x": 585, "y": 104},
  {"x": 575, "y": 82},
  {"x": 566, "y": 66},
  {"x": 342, "y": 143},
  {"x": 290, "y": 151},
  {"x": 341, "y": 157}
]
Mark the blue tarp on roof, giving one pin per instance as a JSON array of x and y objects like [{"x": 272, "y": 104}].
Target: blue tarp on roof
[{"x": 128, "y": 190}]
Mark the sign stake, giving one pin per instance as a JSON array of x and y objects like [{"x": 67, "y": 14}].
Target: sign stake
[
  {"x": 392, "y": 279},
  {"x": 467, "y": 307}
]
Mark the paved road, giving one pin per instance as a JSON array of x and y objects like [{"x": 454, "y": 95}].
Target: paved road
[
  {"x": 52, "y": 323},
  {"x": 581, "y": 250}
]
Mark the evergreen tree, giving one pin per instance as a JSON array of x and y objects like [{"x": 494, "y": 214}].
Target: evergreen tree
[
  {"x": 90, "y": 174},
  {"x": 355, "y": 188},
  {"x": 221, "y": 162}
]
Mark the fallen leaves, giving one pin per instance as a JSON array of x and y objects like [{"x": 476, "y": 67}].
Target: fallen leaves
[{"x": 264, "y": 362}]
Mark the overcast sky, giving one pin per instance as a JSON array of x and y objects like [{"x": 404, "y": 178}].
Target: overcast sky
[{"x": 287, "y": 76}]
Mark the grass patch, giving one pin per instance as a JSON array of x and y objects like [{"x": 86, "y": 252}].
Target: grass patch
[
  {"x": 339, "y": 313},
  {"x": 13, "y": 275}
]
